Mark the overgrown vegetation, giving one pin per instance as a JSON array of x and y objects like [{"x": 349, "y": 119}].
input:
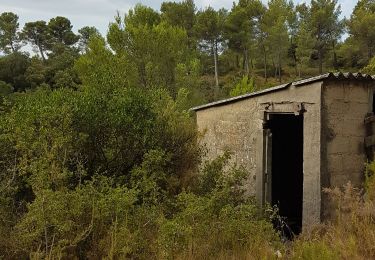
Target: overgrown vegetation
[
  {"x": 99, "y": 153},
  {"x": 351, "y": 233}
]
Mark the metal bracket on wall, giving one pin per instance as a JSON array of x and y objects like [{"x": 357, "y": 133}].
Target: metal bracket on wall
[{"x": 287, "y": 107}]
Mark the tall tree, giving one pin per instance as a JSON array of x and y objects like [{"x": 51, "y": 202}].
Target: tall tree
[
  {"x": 209, "y": 29},
  {"x": 141, "y": 15},
  {"x": 37, "y": 34},
  {"x": 305, "y": 45},
  {"x": 154, "y": 48},
  {"x": 325, "y": 26},
  {"x": 361, "y": 27},
  {"x": 304, "y": 41},
  {"x": 60, "y": 31},
  {"x": 241, "y": 27},
  {"x": 274, "y": 24},
  {"x": 10, "y": 40},
  {"x": 180, "y": 14},
  {"x": 293, "y": 32},
  {"x": 85, "y": 34}
]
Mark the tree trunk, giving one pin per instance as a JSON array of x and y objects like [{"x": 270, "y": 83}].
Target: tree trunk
[
  {"x": 265, "y": 63},
  {"x": 369, "y": 52},
  {"x": 320, "y": 56},
  {"x": 214, "y": 49},
  {"x": 12, "y": 47},
  {"x": 279, "y": 57},
  {"x": 274, "y": 68},
  {"x": 246, "y": 62},
  {"x": 41, "y": 52},
  {"x": 335, "y": 63},
  {"x": 40, "y": 48},
  {"x": 142, "y": 74},
  {"x": 294, "y": 57}
]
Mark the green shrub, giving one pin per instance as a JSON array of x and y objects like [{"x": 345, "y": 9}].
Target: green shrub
[
  {"x": 246, "y": 85},
  {"x": 216, "y": 219}
]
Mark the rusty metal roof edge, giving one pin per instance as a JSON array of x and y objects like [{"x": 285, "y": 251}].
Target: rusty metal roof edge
[{"x": 330, "y": 75}]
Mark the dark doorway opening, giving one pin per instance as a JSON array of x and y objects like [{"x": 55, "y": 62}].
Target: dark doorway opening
[{"x": 287, "y": 170}]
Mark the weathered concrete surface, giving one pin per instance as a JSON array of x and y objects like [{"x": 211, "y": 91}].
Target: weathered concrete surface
[
  {"x": 345, "y": 106},
  {"x": 237, "y": 126},
  {"x": 334, "y": 133}
]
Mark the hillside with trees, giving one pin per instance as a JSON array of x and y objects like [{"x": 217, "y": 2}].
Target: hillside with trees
[
  {"x": 99, "y": 151},
  {"x": 206, "y": 51}
]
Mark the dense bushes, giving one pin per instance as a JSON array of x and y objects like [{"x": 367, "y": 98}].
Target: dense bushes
[
  {"x": 215, "y": 219},
  {"x": 112, "y": 172},
  {"x": 70, "y": 211},
  {"x": 54, "y": 143}
]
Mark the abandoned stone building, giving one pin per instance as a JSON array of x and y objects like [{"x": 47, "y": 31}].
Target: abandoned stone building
[{"x": 296, "y": 139}]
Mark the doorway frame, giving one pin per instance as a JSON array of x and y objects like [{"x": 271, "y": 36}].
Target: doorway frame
[
  {"x": 313, "y": 153},
  {"x": 264, "y": 145}
]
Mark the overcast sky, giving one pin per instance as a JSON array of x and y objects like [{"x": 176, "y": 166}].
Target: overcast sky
[{"x": 99, "y": 13}]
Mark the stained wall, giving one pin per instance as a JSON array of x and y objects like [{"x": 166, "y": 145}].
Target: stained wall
[{"x": 238, "y": 127}]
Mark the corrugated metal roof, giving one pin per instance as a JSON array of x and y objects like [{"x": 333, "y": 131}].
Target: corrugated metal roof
[{"x": 327, "y": 76}]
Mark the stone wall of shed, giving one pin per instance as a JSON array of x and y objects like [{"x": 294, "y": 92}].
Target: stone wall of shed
[
  {"x": 232, "y": 127},
  {"x": 237, "y": 126},
  {"x": 345, "y": 106}
]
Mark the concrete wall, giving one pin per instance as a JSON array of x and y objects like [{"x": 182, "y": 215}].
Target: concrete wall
[
  {"x": 238, "y": 126},
  {"x": 345, "y": 105}
]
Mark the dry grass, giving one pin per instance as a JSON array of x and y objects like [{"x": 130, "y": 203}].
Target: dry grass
[{"x": 350, "y": 234}]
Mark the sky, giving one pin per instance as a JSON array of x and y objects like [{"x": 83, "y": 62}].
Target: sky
[{"x": 100, "y": 13}]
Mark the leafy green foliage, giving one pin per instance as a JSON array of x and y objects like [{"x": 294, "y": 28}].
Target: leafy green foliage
[
  {"x": 63, "y": 140},
  {"x": 241, "y": 28},
  {"x": 99, "y": 154},
  {"x": 88, "y": 195},
  {"x": 274, "y": 38},
  {"x": 60, "y": 31},
  {"x": 10, "y": 40},
  {"x": 37, "y": 34},
  {"x": 269, "y": 42},
  {"x": 216, "y": 209},
  {"x": 12, "y": 70},
  {"x": 182, "y": 14},
  {"x": 86, "y": 33},
  {"x": 100, "y": 68},
  {"x": 370, "y": 68},
  {"x": 210, "y": 31},
  {"x": 246, "y": 85},
  {"x": 5, "y": 89},
  {"x": 325, "y": 25},
  {"x": 360, "y": 24},
  {"x": 154, "y": 49}
]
